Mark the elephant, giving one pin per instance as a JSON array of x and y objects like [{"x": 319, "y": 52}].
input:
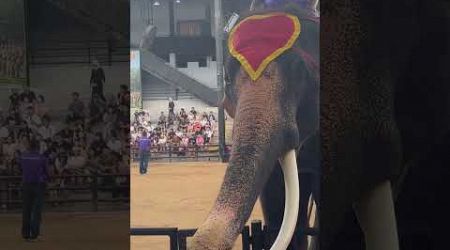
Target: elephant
[
  {"x": 288, "y": 90},
  {"x": 412, "y": 37},
  {"x": 358, "y": 126}
]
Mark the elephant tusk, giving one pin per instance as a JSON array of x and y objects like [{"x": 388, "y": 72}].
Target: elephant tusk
[
  {"x": 291, "y": 204},
  {"x": 376, "y": 214}
]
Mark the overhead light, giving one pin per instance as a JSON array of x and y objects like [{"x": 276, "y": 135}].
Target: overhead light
[
  {"x": 178, "y": 1},
  {"x": 156, "y": 3}
]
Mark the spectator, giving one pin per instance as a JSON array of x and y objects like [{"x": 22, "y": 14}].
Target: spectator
[
  {"x": 77, "y": 161},
  {"x": 162, "y": 143},
  {"x": 98, "y": 144},
  {"x": 114, "y": 143},
  {"x": 124, "y": 95},
  {"x": 209, "y": 134},
  {"x": 162, "y": 119},
  {"x": 9, "y": 148},
  {"x": 32, "y": 120},
  {"x": 197, "y": 127},
  {"x": 171, "y": 106},
  {"x": 171, "y": 118},
  {"x": 136, "y": 116},
  {"x": 46, "y": 130},
  {"x": 14, "y": 100},
  {"x": 194, "y": 112},
  {"x": 171, "y": 134},
  {"x": 96, "y": 109},
  {"x": 97, "y": 80},
  {"x": 204, "y": 120},
  {"x": 40, "y": 108},
  {"x": 183, "y": 114},
  {"x": 200, "y": 140},
  {"x": 27, "y": 95},
  {"x": 211, "y": 116},
  {"x": 26, "y": 120},
  {"x": 76, "y": 108},
  {"x": 109, "y": 120},
  {"x": 176, "y": 135}
]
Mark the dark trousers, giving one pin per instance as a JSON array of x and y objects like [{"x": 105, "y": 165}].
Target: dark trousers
[
  {"x": 143, "y": 162},
  {"x": 33, "y": 200}
]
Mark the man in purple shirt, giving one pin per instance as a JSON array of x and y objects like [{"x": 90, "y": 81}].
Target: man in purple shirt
[
  {"x": 144, "y": 153},
  {"x": 35, "y": 177}
]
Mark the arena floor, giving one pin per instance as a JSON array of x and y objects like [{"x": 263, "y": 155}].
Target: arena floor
[
  {"x": 174, "y": 195},
  {"x": 69, "y": 231}
]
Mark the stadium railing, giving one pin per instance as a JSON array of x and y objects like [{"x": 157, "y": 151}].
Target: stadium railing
[
  {"x": 11, "y": 190},
  {"x": 171, "y": 153}
]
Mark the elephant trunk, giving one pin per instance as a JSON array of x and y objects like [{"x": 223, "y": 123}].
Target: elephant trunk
[{"x": 259, "y": 140}]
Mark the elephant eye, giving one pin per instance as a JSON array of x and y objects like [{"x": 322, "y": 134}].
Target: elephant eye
[
  {"x": 268, "y": 74},
  {"x": 244, "y": 77}
]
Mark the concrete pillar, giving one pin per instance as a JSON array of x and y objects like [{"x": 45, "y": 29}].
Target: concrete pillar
[
  {"x": 208, "y": 61},
  {"x": 173, "y": 60},
  {"x": 172, "y": 18},
  {"x": 218, "y": 16}
]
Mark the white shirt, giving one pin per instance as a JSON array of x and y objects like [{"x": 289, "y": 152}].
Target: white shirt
[{"x": 46, "y": 132}]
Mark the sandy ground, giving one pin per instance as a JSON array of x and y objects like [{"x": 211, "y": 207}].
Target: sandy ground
[
  {"x": 175, "y": 195},
  {"x": 70, "y": 231}
]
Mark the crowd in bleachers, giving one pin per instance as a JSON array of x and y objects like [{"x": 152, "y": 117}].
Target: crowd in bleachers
[
  {"x": 92, "y": 136},
  {"x": 179, "y": 132},
  {"x": 12, "y": 58}
]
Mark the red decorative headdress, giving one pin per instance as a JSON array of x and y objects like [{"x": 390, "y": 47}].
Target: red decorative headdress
[{"x": 258, "y": 40}]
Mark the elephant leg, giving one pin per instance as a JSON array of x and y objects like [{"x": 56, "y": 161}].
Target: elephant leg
[
  {"x": 306, "y": 190},
  {"x": 333, "y": 210},
  {"x": 309, "y": 162},
  {"x": 376, "y": 215}
]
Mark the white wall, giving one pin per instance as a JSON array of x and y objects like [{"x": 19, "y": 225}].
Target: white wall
[
  {"x": 194, "y": 10},
  {"x": 205, "y": 75},
  {"x": 186, "y": 10},
  {"x": 58, "y": 82}
]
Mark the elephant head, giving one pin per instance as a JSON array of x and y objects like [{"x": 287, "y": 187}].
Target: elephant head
[{"x": 274, "y": 111}]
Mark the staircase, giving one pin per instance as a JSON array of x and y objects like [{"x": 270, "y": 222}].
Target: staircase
[{"x": 158, "y": 68}]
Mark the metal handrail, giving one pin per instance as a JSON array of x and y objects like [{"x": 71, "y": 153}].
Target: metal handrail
[
  {"x": 256, "y": 236},
  {"x": 159, "y": 68}
]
